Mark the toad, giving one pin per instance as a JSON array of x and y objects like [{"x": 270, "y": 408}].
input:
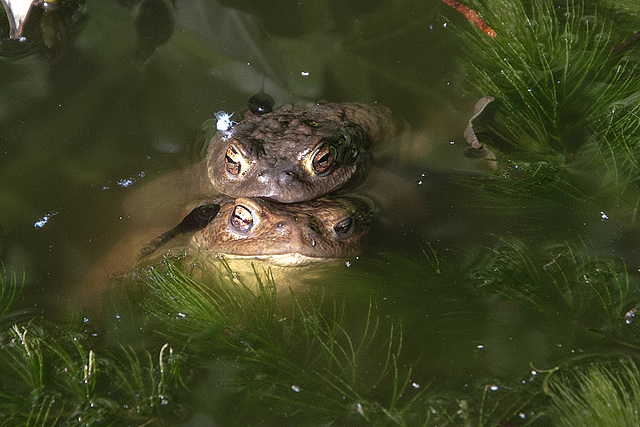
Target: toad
[
  {"x": 286, "y": 234},
  {"x": 292, "y": 154},
  {"x": 283, "y": 236}
]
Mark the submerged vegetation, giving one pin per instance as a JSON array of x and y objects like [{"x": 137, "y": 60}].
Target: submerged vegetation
[
  {"x": 563, "y": 197},
  {"x": 51, "y": 378},
  {"x": 298, "y": 356},
  {"x": 288, "y": 356},
  {"x": 567, "y": 105},
  {"x": 559, "y": 280},
  {"x": 600, "y": 394}
]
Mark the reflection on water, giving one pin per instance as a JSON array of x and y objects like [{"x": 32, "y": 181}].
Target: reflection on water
[{"x": 125, "y": 103}]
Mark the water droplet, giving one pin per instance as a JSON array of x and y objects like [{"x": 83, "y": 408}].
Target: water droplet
[
  {"x": 224, "y": 122},
  {"x": 42, "y": 221},
  {"x": 629, "y": 315},
  {"x": 261, "y": 103},
  {"x": 126, "y": 182}
]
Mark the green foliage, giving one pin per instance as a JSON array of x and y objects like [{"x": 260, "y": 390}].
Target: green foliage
[
  {"x": 565, "y": 120},
  {"x": 567, "y": 135},
  {"x": 559, "y": 280},
  {"x": 151, "y": 384},
  {"x": 614, "y": 151},
  {"x": 599, "y": 394},
  {"x": 565, "y": 127},
  {"x": 10, "y": 289},
  {"x": 551, "y": 71},
  {"x": 307, "y": 359},
  {"x": 51, "y": 380},
  {"x": 286, "y": 354},
  {"x": 626, "y": 14}
]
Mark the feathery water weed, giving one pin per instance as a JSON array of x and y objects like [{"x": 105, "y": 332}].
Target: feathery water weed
[
  {"x": 614, "y": 151},
  {"x": 56, "y": 380},
  {"x": 551, "y": 72},
  {"x": 10, "y": 288},
  {"x": 627, "y": 14},
  {"x": 149, "y": 382},
  {"x": 602, "y": 393},
  {"x": 564, "y": 101},
  {"x": 278, "y": 343},
  {"x": 560, "y": 279}
]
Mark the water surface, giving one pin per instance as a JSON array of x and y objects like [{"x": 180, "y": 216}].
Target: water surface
[{"x": 82, "y": 132}]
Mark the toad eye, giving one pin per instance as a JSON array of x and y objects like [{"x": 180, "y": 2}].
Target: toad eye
[
  {"x": 233, "y": 160},
  {"x": 344, "y": 228},
  {"x": 241, "y": 219},
  {"x": 322, "y": 160}
]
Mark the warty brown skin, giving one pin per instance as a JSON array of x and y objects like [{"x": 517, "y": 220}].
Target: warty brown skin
[
  {"x": 287, "y": 234},
  {"x": 281, "y": 235},
  {"x": 279, "y": 148},
  {"x": 298, "y": 152}
]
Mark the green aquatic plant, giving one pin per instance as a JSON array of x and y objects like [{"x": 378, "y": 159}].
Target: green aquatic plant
[
  {"x": 56, "y": 380},
  {"x": 152, "y": 384},
  {"x": 531, "y": 192},
  {"x": 557, "y": 279},
  {"x": 626, "y": 14},
  {"x": 565, "y": 122},
  {"x": 286, "y": 353},
  {"x": 599, "y": 394},
  {"x": 304, "y": 357},
  {"x": 551, "y": 71},
  {"x": 10, "y": 289},
  {"x": 614, "y": 151}
]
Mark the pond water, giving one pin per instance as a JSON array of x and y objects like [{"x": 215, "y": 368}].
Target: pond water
[{"x": 83, "y": 130}]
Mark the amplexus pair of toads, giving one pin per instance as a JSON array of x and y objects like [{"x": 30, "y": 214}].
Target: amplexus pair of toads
[{"x": 274, "y": 183}]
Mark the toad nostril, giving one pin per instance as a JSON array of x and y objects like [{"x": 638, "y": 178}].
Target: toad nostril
[
  {"x": 286, "y": 176},
  {"x": 282, "y": 229}
]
